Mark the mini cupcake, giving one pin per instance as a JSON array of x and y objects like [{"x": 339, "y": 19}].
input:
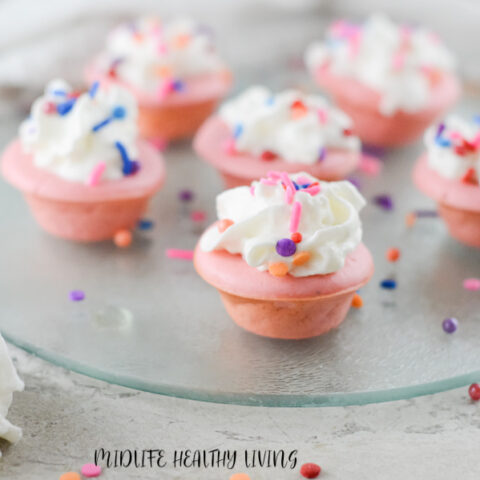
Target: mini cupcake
[
  {"x": 286, "y": 254},
  {"x": 79, "y": 164},
  {"x": 260, "y": 131},
  {"x": 393, "y": 81},
  {"x": 448, "y": 173},
  {"x": 172, "y": 69}
]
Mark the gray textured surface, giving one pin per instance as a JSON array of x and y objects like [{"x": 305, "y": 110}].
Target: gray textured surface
[{"x": 66, "y": 416}]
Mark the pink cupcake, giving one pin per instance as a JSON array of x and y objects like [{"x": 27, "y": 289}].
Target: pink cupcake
[
  {"x": 171, "y": 68},
  {"x": 78, "y": 161},
  {"x": 393, "y": 81},
  {"x": 448, "y": 173},
  {"x": 260, "y": 131},
  {"x": 286, "y": 254}
]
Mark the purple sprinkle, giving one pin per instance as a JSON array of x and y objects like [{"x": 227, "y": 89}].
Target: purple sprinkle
[
  {"x": 178, "y": 85},
  {"x": 185, "y": 195},
  {"x": 373, "y": 151},
  {"x": 286, "y": 247},
  {"x": 426, "y": 213},
  {"x": 355, "y": 182},
  {"x": 450, "y": 325},
  {"x": 322, "y": 154},
  {"x": 77, "y": 295},
  {"x": 135, "y": 167},
  {"x": 440, "y": 130},
  {"x": 384, "y": 201}
]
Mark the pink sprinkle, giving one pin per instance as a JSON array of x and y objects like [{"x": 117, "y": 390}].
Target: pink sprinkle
[
  {"x": 303, "y": 180},
  {"x": 162, "y": 48},
  {"x": 96, "y": 174},
  {"x": 90, "y": 470},
  {"x": 198, "y": 216},
  {"x": 164, "y": 89},
  {"x": 252, "y": 190},
  {"x": 295, "y": 218},
  {"x": 274, "y": 174},
  {"x": 49, "y": 107},
  {"x": 472, "y": 284},
  {"x": 322, "y": 116},
  {"x": 178, "y": 253},
  {"x": 289, "y": 194},
  {"x": 398, "y": 60},
  {"x": 354, "y": 41},
  {"x": 312, "y": 190},
  {"x": 159, "y": 143},
  {"x": 286, "y": 180},
  {"x": 229, "y": 147},
  {"x": 268, "y": 181},
  {"x": 370, "y": 165},
  {"x": 455, "y": 135}
]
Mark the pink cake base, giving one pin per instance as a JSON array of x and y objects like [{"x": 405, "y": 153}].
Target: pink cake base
[
  {"x": 361, "y": 103},
  {"x": 76, "y": 211},
  {"x": 180, "y": 113},
  {"x": 242, "y": 168},
  {"x": 458, "y": 202},
  {"x": 284, "y": 307}
]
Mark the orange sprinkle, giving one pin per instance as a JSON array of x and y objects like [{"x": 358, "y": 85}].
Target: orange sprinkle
[
  {"x": 70, "y": 476},
  {"x": 222, "y": 225},
  {"x": 240, "y": 476},
  {"x": 300, "y": 258},
  {"x": 181, "y": 41},
  {"x": 138, "y": 37},
  {"x": 163, "y": 71},
  {"x": 357, "y": 301},
  {"x": 278, "y": 269},
  {"x": 296, "y": 237},
  {"x": 393, "y": 254},
  {"x": 410, "y": 219},
  {"x": 123, "y": 238}
]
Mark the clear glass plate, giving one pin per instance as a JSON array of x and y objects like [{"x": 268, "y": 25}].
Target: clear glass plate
[{"x": 150, "y": 323}]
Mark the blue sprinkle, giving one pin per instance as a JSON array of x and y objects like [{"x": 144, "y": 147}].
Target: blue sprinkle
[
  {"x": 101, "y": 124},
  {"x": 59, "y": 93},
  {"x": 144, "y": 224},
  {"x": 306, "y": 185},
  {"x": 388, "y": 284},
  {"x": 93, "y": 89},
  {"x": 128, "y": 167},
  {"x": 443, "y": 142},
  {"x": 270, "y": 100},
  {"x": 178, "y": 85},
  {"x": 476, "y": 119},
  {"x": 65, "y": 107},
  {"x": 238, "y": 130},
  {"x": 119, "y": 112},
  {"x": 295, "y": 184}
]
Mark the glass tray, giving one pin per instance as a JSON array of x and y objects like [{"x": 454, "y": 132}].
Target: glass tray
[{"x": 150, "y": 323}]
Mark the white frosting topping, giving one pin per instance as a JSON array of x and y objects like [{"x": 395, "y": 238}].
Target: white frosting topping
[
  {"x": 266, "y": 215},
  {"x": 398, "y": 61},
  {"x": 453, "y": 147},
  {"x": 146, "y": 53},
  {"x": 9, "y": 383},
  {"x": 296, "y": 127},
  {"x": 71, "y": 143}
]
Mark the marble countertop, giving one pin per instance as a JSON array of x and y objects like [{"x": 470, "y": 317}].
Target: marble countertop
[{"x": 66, "y": 416}]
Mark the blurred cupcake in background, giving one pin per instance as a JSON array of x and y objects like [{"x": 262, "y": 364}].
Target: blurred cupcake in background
[
  {"x": 172, "y": 69},
  {"x": 448, "y": 173},
  {"x": 392, "y": 80},
  {"x": 80, "y": 165},
  {"x": 259, "y": 131}
]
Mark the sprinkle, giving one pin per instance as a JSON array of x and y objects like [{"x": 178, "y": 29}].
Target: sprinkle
[
  {"x": 128, "y": 165},
  {"x": 268, "y": 181},
  {"x": 278, "y": 269},
  {"x": 443, "y": 142},
  {"x": 182, "y": 40},
  {"x": 355, "y": 182},
  {"x": 94, "y": 89},
  {"x": 65, "y": 107},
  {"x": 393, "y": 254},
  {"x": 298, "y": 109},
  {"x": 96, "y": 174},
  {"x": 410, "y": 219},
  {"x": 268, "y": 155},
  {"x": 274, "y": 174},
  {"x": 159, "y": 143},
  {"x": 163, "y": 71},
  {"x": 301, "y": 258},
  {"x": 384, "y": 201},
  {"x": 287, "y": 181},
  {"x": 370, "y": 165},
  {"x": 310, "y": 470},
  {"x": 58, "y": 92},
  {"x": 185, "y": 195},
  {"x": 296, "y": 237},
  {"x": 289, "y": 194},
  {"x": 347, "y": 132},
  {"x": 229, "y": 146},
  {"x": 101, "y": 124},
  {"x": 49, "y": 107},
  {"x": 450, "y": 325},
  {"x": 252, "y": 190},
  {"x": 357, "y": 301},
  {"x": 179, "y": 254},
  {"x": 198, "y": 216},
  {"x": 474, "y": 392},
  {"x": 270, "y": 100},
  {"x": 388, "y": 284},
  {"x": 164, "y": 89},
  {"x": 322, "y": 154},
  {"x": 322, "y": 116},
  {"x": 122, "y": 238},
  {"x": 119, "y": 112},
  {"x": 90, "y": 470},
  {"x": 286, "y": 247},
  {"x": 295, "y": 217},
  {"x": 440, "y": 130},
  {"x": 70, "y": 476},
  {"x": 77, "y": 295},
  {"x": 398, "y": 60},
  {"x": 145, "y": 224},
  {"x": 178, "y": 85},
  {"x": 470, "y": 176},
  {"x": 223, "y": 224},
  {"x": 238, "y": 130},
  {"x": 472, "y": 284},
  {"x": 312, "y": 189},
  {"x": 476, "y": 119}
]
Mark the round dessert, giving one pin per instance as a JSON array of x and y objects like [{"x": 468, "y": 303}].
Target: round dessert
[
  {"x": 9, "y": 383},
  {"x": 286, "y": 254},
  {"x": 172, "y": 69},
  {"x": 448, "y": 173},
  {"x": 260, "y": 131},
  {"x": 80, "y": 165},
  {"x": 392, "y": 80}
]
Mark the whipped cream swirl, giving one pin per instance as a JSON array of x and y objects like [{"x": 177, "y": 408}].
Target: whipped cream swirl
[
  {"x": 149, "y": 54},
  {"x": 400, "y": 62},
  {"x": 9, "y": 383},
  {"x": 453, "y": 148},
  {"x": 73, "y": 136},
  {"x": 288, "y": 224},
  {"x": 296, "y": 127}
]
